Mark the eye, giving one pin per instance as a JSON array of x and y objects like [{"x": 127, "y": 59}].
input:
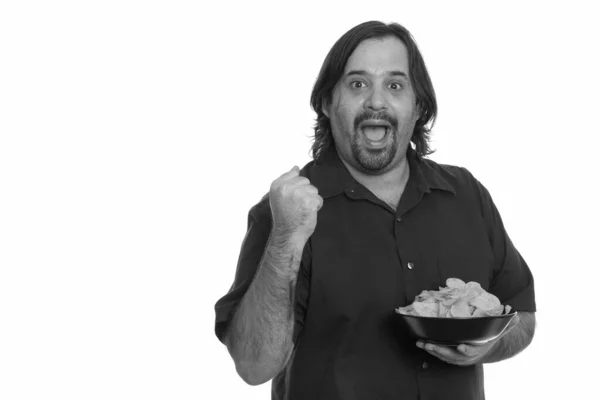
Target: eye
[
  {"x": 395, "y": 86},
  {"x": 357, "y": 85}
]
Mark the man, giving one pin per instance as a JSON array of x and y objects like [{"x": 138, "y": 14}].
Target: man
[{"x": 333, "y": 249}]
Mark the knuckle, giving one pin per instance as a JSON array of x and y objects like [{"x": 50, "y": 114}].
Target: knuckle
[
  {"x": 307, "y": 202},
  {"x": 303, "y": 181},
  {"x": 296, "y": 191},
  {"x": 277, "y": 183},
  {"x": 290, "y": 188},
  {"x": 277, "y": 190},
  {"x": 319, "y": 202}
]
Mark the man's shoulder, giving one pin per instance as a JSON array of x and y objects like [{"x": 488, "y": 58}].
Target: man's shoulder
[
  {"x": 458, "y": 177},
  {"x": 446, "y": 170},
  {"x": 261, "y": 211}
]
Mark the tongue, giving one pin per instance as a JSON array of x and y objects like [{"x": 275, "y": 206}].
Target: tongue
[{"x": 374, "y": 133}]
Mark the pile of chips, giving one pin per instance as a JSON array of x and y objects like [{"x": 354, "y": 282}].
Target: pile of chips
[{"x": 457, "y": 300}]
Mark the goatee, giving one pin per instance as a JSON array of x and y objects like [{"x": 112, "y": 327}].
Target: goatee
[{"x": 374, "y": 160}]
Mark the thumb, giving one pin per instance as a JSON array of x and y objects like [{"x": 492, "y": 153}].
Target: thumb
[
  {"x": 292, "y": 173},
  {"x": 513, "y": 322}
]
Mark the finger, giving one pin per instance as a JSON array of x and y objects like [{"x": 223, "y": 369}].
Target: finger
[
  {"x": 310, "y": 189},
  {"x": 469, "y": 351},
  {"x": 295, "y": 171},
  {"x": 448, "y": 354},
  {"x": 513, "y": 323},
  {"x": 443, "y": 351},
  {"x": 320, "y": 204},
  {"x": 443, "y": 358},
  {"x": 438, "y": 351},
  {"x": 290, "y": 183},
  {"x": 461, "y": 355},
  {"x": 298, "y": 181}
]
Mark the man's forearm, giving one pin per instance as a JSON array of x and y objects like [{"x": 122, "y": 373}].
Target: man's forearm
[
  {"x": 260, "y": 335},
  {"x": 514, "y": 341}
]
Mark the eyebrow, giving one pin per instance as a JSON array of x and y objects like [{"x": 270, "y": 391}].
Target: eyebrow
[{"x": 363, "y": 72}]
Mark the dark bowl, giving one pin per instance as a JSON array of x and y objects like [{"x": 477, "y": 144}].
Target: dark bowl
[{"x": 453, "y": 331}]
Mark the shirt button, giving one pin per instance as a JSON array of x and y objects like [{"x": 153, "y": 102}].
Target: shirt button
[
  {"x": 399, "y": 219},
  {"x": 424, "y": 365},
  {"x": 410, "y": 265}
]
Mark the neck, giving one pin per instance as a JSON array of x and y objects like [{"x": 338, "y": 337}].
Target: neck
[{"x": 392, "y": 181}]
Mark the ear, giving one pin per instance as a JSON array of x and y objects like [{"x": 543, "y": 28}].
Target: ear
[
  {"x": 325, "y": 108},
  {"x": 417, "y": 113}
]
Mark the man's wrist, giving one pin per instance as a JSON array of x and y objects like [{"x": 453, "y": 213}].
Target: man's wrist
[
  {"x": 283, "y": 255},
  {"x": 489, "y": 356}
]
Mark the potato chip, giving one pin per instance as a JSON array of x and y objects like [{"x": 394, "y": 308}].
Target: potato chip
[
  {"x": 455, "y": 283},
  {"x": 457, "y": 300},
  {"x": 443, "y": 311},
  {"x": 485, "y": 301},
  {"x": 479, "y": 313},
  {"x": 460, "y": 309},
  {"x": 426, "y": 309}
]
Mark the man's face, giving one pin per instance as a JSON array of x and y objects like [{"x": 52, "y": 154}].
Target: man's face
[{"x": 373, "y": 109}]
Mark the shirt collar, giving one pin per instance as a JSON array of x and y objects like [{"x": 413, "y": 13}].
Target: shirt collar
[{"x": 331, "y": 177}]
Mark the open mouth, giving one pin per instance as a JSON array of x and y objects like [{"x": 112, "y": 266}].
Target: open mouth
[{"x": 375, "y": 133}]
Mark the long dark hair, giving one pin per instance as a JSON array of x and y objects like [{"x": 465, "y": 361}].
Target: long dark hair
[{"x": 333, "y": 69}]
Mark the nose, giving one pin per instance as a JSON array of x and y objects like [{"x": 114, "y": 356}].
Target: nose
[{"x": 376, "y": 100}]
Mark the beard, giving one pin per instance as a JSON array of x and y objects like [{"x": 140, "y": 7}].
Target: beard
[{"x": 374, "y": 160}]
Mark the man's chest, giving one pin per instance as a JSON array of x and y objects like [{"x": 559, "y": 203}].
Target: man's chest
[
  {"x": 390, "y": 198},
  {"x": 366, "y": 261}
]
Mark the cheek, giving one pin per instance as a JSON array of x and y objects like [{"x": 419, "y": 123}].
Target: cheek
[
  {"x": 345, "y": 108},
  {"x": 344, "y": 115},
  {"x": 407, "y": 116}
]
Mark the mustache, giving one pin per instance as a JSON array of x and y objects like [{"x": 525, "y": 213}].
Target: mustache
[{"x": 381, "y": 116}]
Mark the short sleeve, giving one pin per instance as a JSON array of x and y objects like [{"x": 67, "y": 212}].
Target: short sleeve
[
  {"x": 252, "y": 249},
  {"x": 512, "y": 280},
  {"x": 251, "y": 253}
]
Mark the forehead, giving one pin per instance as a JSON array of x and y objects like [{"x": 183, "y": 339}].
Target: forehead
[{"x": 379, "y": 56}]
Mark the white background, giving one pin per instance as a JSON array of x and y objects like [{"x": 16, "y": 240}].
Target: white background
[{"x": 135, "y": 137}]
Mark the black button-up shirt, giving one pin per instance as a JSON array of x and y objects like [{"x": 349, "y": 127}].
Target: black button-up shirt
[{"x": 365, "y": 259}]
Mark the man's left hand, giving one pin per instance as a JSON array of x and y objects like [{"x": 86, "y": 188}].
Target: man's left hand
[{"x": 464, "y": 354}]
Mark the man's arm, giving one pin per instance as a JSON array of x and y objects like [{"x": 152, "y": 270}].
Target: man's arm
[
  {"x": 508, "y": 345},
  {"x": 259, "y": 337},
  {"x": 514, "y": 341}
]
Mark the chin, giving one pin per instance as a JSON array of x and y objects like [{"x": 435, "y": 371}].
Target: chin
[{"x": 372, "y": 163}]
